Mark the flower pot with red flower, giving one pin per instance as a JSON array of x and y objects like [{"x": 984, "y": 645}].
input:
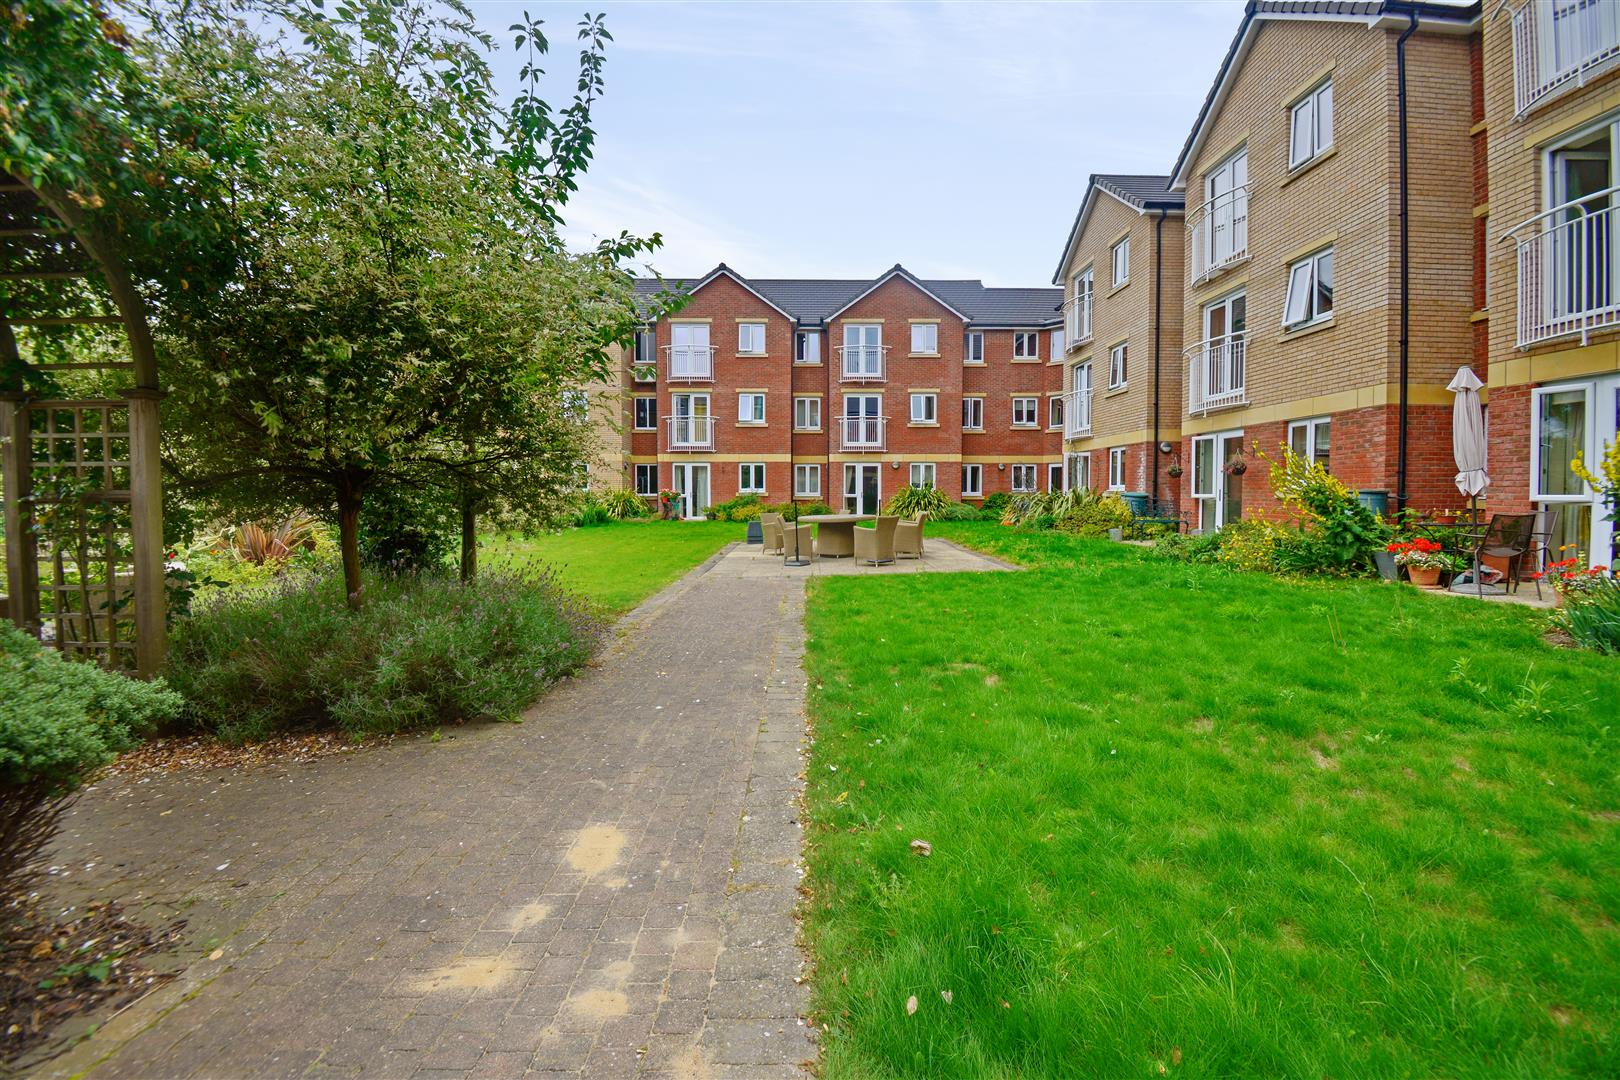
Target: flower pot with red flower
[
  {"x": 1424, "y": 560},
  {"x": 1236, "y": 465}
]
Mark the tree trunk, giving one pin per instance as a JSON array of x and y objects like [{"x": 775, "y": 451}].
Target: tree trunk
[
  {"x": 469, "y": 539},
  {"x": 349, "y": 541}
]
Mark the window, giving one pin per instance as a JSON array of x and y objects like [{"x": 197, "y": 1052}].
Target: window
[
  {"x": 1116, "y": 367},
  {"x": 863, "y": 426},
  {"x": 863, "y": 350},
  {"x": 1026, "y": 411},
  {"x": 1079, "y": 471},
  {"x": 646, "y": 479},
  {"x": 646, "y": 413},
  {"x": 574, "y": 404},
  {"x": 750, "y": 408},
  {"x": 807, "y": 413},
  {"x": 1122, "y": 261},
  {"x": 807, "y": 347},
  {"x": 974, "y": 351},
  {"x": 1311, "y": 440},
  {"x": 646, "y": 347},
  {"x": 1054, "y": 411},
  {"x": 751, "y": 338},
  {"x": 925, "y": 338},
  {"x": 1312, "y": 126},
  {"x": 1023, "y": 477},
  {"x": 1026, "y": 345},
  {"x": 973, "y": 414},
  {"x": 806, "y": 481},
  {"x": 922, "y": 474},
  {"x": 751, "y": 477},
  {"x": 972, "y": 481},
  {"x": 1080, "y": 311},
  {"x": 1225, "y": 235},
  {"x": 923, "y": 408},
  {"x": 1310, "y": 290},
  {"x": 1054, "y": 476},
  {"x": 1116, "y": 469},
  {"x": 1055, "y": 352}
]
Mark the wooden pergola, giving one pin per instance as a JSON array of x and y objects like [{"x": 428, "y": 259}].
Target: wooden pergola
[{"x": 84, "y": 559}]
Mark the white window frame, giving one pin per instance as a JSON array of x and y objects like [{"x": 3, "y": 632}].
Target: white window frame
[
  {"x": 1026, "y": 340},
  {"x": 750, "y": 334},
  {"x": 751, "y": 408},
  {"x": 1310, "y": 427},
  {"x": 1302, "y": 276},
  {"x": 975, "y": 405},
  {"x": 1119, "y": 258},
  {"x": 1020, "y": 485},
  {"x": 1079, "y": 470},
  {"x": 1085, "y": 288},
  {"x": 860, "y": 331},
  {"x": 744, "y": 486},
  {"x": 1054, "y": 345},
  {"x": 806, "y": 410},
  {"x": 802, "y": 490},
  {"x": 645, "y": 351},
  {"x": 1589, "y": 392},
  {"x": 922, "y": 474},
  {"x": 929, "y": 345},
  {"x": 1032, "y": 405},
  {"x": 1118, "y": 463},
  {"x": 646, "y": 470},
  {"x": 1054, "y": 411},
  {"x": 925, "y": 408},
  {"x": 807, "y": 347},
  {"x": 1311, "y": 110},
  {"x": 973, "y": 348},
  {"x": 1118, "y": 375},
  {"x": 972, "y": 474},
  {"x": 651, "y": 405}
]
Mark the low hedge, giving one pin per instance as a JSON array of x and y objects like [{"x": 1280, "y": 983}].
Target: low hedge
[{"x": 426, "y": 650}]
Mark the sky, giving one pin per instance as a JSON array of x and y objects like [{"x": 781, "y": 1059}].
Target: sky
[{"x": 834, "y": 140}]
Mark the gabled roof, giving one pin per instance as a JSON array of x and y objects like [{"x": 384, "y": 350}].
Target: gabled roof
[
  {"x": 813, "y": 301},
  {"x": 1140, "y": 192},
  {"x": 725, "y": 271},
  {"x": 1374, "y": 14},
  {"x": 898, "y": 271}
]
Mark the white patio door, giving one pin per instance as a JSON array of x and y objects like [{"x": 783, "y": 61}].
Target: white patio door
[
  {"x": 1219, "y": 495},
  {"x": 1228, "y": 194},
  {"x": 862, "y": 488},
  {"x": 1571, "y": 418},
  {"x": 690, "y": 424},
  {"x": 689, "y": 352},
  {"x": 863, "y": 349},
  {"x": 692, "y": 481}
]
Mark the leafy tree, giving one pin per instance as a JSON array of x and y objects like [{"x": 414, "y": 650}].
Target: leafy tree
[{"x": 404, "y": 313}]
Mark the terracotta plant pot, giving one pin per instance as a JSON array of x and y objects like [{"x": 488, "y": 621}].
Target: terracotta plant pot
[{"x": 1423, "y": 579}]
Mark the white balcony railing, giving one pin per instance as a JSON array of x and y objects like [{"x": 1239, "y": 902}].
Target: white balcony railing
[
  {"x": 862, "y": 363},
  {"x": 862, "y": 432},
  {"x": 1077, "y": 320},
  {"x": 1215, "y": 373},
  {"x": 1077, "y": 413},
  {"x": 689, "y": 362},
  {"x": 1558, "y": 43},
  {"x": 1218, "y": 234},
  {"x": 1568, "y": 269},
  {"x": 690, "y": 432}
]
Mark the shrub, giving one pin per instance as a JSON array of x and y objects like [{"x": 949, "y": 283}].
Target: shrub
[
  {"x": 960, "y": 511},
  {"x": 1592, "y": 615},
  {"x": 1250, "y": 544},
  {"x": 1347, "y": 533},
  {"x": 591, "y": 512},
  {"x": 408, "y": 530},
  {"x": 59, "y": 721},
  {"x": 426, "y": 650},
  {"x": 1088, "y": 514},
  {"x": 910, "y": 501},
  {"x": 995, "y": 505},
  {"x": 623, "y": 504},
  {"x": 741, "y": 508},
  {"x": 792, "y": 510},
  {"x": 1190, "y": 547}
]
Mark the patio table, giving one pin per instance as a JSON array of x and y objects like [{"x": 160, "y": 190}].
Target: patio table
[{"x": 835, "y": 533}]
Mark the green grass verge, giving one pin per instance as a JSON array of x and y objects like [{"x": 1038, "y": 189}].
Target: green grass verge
[
  {"x": 1193, "y": 822},
  {"x": 618, "y": 565}
]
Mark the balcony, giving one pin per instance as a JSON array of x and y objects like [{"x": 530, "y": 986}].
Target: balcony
[
  {"x": 1218, "y": 234},
  {"x": 861, "y": 432},
  {"x": 689, "y": 363},
  {"x": 1558, "y": 44},
  {"x": 1215, "y": 374},
  {"x": 861, "y": 363},
  {"x": 1077, "y": 413},
  {"x": 1077, "y": 320},
  {"x": 1568, "y": 270},
  {"x": 689, "y": 432}
]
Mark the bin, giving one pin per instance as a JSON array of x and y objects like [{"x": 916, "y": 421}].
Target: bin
[
  {"x": 1376, "y": 501},
  {"x": 1140, "y": 502}
]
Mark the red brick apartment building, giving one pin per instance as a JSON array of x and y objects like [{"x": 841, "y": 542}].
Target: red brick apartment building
[{"x": 845, "y": 391}]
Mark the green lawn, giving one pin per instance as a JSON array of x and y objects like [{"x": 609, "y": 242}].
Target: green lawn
[
  {"x": 1191, "y": 822},
  {"x": 617, "y": 566}
]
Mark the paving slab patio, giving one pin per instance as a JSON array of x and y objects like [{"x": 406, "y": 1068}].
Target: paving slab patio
[{"x": 606, "y": 889}]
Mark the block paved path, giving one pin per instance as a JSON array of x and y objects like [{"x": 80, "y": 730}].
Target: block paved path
[{"x": 604, "y": 890}]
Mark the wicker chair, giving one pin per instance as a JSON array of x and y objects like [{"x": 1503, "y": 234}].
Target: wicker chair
[
  {"x": 797, "y": 540},
  {"x": 770, "y": 526},
  {"x": 876, "y": 545},
  {"x": 908, "y": 537}
]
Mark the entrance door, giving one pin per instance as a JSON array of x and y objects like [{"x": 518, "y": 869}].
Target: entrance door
[
  {"x": 1219, "y": 495},
  {"x": 862, "y": 489},
  {"x": 692, "y": 482},
  {"x": 1569, "y": 419}
]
